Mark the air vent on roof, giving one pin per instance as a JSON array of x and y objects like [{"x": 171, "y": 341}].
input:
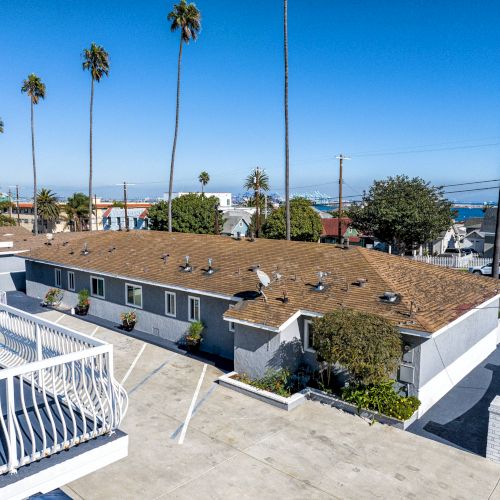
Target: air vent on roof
[
  {"x": 390, "y": 298},
  {"x": 361, "y": 282},
  {"x": 85, "y": 250},
  {"x": 187, "y": 267},
  {"x": 111, "y": 249},
  {"x": 165, "y": 257},
  {"x": 210, "y": 269},
  {"x": 320, "y": 286}
]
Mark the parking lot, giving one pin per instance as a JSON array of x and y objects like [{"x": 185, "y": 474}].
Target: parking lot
[{"x": 191, "y": 438}]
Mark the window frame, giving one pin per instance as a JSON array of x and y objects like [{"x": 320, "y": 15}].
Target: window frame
[
  {"x": 58, "y": 282},
  {"x": 103, "y": 296},
  {"x": 307, "y": 345},
  {"x": 126, "y": 295},
  {"x": 232, "y": 324},
  {"x": 191, "y": 319},
  {"x": 167, "y": 295},
  {"x": 71, "y": 274}
]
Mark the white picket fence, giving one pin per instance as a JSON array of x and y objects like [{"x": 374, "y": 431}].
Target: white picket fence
[{"x": 453, "y": 261}]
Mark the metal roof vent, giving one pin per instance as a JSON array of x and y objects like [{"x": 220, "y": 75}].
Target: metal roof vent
[
  {"x": 165, "y": 257},
  {"x": 85, "y": 250},
  {"x": 361, "y": 282},
  {"x": 187, "y": 268},
  {"x": 320, "y": 286},
  {"x": 390, "y": 298},
  {"x": 210, "y": 270}
]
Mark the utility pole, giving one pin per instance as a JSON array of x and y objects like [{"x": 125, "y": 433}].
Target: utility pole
[
  {"x": 496, "y": 248},
  {"x": 341, "y": 158},
  {"x": 10, "y": 203},
  {"x": 125, "y": 205},
  {"x": 17, "y": 205},
  {"x": 96, "y": 218}
]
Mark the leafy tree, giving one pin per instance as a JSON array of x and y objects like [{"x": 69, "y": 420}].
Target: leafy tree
[
  {"x": 305, "y": 222},
  {"x": 257, "y": 181},
  {"x": 48, "y": 207},
  {"x": 191, "y": 213},
  {"x": 35, "y": 89},
  {"x": 368, "y": 346},
  {"x": 204, "y": 179},
  {"x": 96, "y": 61},
  {"x": 187, "y": 18},
  {"x": 5, "y": 220},
  {"x": 403, "y": 212},
  {"x": 77, "y": 210},
  {"x": 118, "y": 204}
]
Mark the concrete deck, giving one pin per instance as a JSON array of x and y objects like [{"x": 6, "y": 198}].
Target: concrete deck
[{"x": 238, "y": 447}]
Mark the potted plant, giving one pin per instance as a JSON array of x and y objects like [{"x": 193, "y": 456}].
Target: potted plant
[
  {"x": 53, "y": 297},
  {"x": 129, "y": 319},
  {"x": 193, "y": 336},
  {"x": 82, "y": 308}
]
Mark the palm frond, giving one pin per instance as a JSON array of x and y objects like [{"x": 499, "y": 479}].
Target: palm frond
[{"x": 34, "y": 87}]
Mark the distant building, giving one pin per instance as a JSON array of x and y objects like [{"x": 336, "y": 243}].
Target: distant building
[
  {"x": 488, "y": 228},
  {"x": 330, "y": 233},
  {"x": 114, "y": 219},
  {"x": 225, "y": 199},
  {"x": 236, "y": 223}
]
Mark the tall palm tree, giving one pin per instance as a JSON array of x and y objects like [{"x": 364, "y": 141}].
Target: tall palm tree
[
  {"x": 187, "y": 18},
  {"x": 35, "y": 88},
  {"x": 48, "y": 206},
  {"x": 77, "y": 210},
  {"x": 204, "y": 179},
  {"x": 95, "y": 60},
  {"x": 257, "y": 181},
  {"x": 287, "y": 153},
  {"x": 1, "y": 126}
]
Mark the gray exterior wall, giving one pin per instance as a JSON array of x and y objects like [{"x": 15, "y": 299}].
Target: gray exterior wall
[
  {"x": 217, "y": 338},
  {"x": 12, "y": 273}
]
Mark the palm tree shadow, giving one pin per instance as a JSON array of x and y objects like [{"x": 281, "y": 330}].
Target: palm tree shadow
[{"x": 470, "y": 430}]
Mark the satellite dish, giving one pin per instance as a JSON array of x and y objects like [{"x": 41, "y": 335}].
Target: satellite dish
[{"x": 264, "y": 279}]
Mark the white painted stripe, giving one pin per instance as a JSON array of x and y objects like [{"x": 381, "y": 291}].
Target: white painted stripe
[
  {"x": 132, "y": 366},
  {"x": 94, "y": 331},
  {"x": 191, "y": 406},
  {"x": 59, "y": 318}
]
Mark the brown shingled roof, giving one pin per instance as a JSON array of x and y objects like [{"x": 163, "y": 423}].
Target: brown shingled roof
[{"x": 439, "y": 294}]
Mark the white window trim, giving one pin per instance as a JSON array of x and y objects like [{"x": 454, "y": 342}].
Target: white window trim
[
  {"x": 232, "y": 324},
  {"x": 307, "y": 326},
  {"x": 126, "y": 295},
  {"x": 103, "y": 296},
  {"x": 58, "y": 282},
  {"x": 71, "y": 288},
  {"x": 190, "y": 316},
  {"x": 174, "y": 314}
]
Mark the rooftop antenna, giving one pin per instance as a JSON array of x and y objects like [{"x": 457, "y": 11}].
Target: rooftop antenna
[{"x": 264, "y": 280}]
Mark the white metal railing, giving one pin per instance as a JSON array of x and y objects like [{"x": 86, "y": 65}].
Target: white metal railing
[
  {"x": 453, "y": 261},
  {"x": 57, "y": 388}
]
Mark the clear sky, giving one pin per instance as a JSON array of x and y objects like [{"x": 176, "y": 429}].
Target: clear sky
[{"x": 365, "y": 76}]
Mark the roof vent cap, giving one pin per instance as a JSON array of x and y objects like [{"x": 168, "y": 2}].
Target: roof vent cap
[
  {"x": 187, "y": 266},
  {"x": 210, "y": 269},
  {"x": 390, "y": 297},
  {"x": 320, "y": 286}
]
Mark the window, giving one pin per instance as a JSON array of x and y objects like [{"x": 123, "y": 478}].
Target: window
[
  {"x": 170, "y": 304},
  {"x": 58, "y": 278},
  {"x": 97, "y": 287},
  {"x": 194, "y": 309},
  {"x": 71, "y": 280},
  {"x": 308, "y": 336},
  {"x": 133, "y": 295},
  {"x": 231, "y": 323}
]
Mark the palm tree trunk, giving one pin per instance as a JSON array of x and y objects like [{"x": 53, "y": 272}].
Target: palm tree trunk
[
  {"x": 35, "y": 205},
  {"x": 287, "y": 155},
  {"x": 257, "y": 212},
  {"x": 174, "y": 145},
  {"x": 90, "y": 154}
]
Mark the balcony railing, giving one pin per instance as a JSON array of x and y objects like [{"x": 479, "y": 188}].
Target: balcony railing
[{"x": 57, "y": 389}]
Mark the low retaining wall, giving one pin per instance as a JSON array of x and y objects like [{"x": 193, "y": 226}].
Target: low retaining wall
[{"x": 288, "y": 404}]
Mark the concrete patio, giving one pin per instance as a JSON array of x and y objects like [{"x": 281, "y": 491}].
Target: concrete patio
[{"x": 237, "y": 447}]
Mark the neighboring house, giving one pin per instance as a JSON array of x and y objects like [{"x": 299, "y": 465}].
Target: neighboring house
[
  {"x": 488, "y": 228},
  {"x": 236, "y": 223},
  {"x": 331, "y": 230},
  {"x": 473, "y": 223},
  {"x": 225, "y": 199},
  {"x": 114, "y": 219},
  {"x": 474, "y": 240},
  {"x": 448, "y": 320},
  {"x": 26, "y": 219}
]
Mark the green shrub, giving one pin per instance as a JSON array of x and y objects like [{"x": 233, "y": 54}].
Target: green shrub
[
  {"x": 53, "y": 296},
  {"x": 382, "y": 398},
  {"x": 195, "y": 330},
  {"x": 83, "y": 298},
  {"x": 281, "y": 382}
]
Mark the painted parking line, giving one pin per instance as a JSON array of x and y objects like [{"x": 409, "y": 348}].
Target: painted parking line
[
  {"x": 196, "y": 408},
  {"x": 132, "y": 366},
  {"x": 59, "y": 318},
  {"x": 191, "y": 406},
  {"x": 94, "y": 331}
]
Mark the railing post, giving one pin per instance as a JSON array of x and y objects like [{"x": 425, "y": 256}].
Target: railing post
[
  {"x": 11, "y": 438},
  {"x": 38, "y": 339}
]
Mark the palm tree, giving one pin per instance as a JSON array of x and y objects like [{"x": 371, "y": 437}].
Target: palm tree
[
  {"x": 287, "y": 154},
  {"x": 96, "y": 60},
  {"x": 48, "y": 207},
  {"x": 1, "y": 126},
  {"x": 35, "y": 89},
  {"x": 257, "y": 181},
  {"x": 204, "y": 179},
  {"x": 188, "y": 18},
  {"x": 77, "y": 210}
]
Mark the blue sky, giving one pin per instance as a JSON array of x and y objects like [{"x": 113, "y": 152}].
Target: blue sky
[{"x": 365, "y": 76}]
